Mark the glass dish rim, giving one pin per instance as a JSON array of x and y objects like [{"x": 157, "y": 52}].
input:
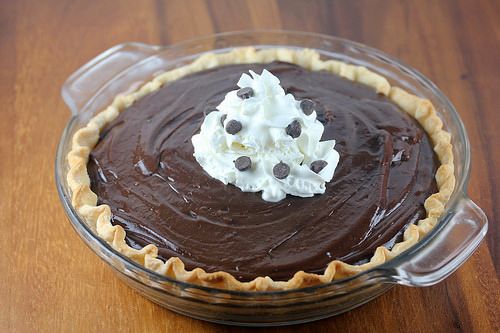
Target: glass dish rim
[{"x": 457, "y": 195}]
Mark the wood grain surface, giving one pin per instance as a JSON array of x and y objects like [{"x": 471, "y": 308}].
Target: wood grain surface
[{"x": 51, "y": 282}]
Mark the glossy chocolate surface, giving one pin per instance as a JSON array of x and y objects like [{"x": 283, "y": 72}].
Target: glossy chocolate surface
[{"x": 143, "y": 168}]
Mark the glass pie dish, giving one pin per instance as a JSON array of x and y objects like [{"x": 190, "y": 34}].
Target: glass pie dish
[{"x": 455, "y": 237}]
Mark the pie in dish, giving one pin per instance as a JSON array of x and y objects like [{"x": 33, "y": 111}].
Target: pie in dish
[{"x": 136, "y": 181}]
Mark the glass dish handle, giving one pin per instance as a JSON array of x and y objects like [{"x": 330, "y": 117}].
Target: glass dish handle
[
  {"x": 89, "y": 79},
  {"x": 449, "y": 249}
]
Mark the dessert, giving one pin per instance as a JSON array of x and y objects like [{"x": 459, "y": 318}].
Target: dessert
[
  {"x": 274, "y": 137},
  {"x": 146, "y": 187}
]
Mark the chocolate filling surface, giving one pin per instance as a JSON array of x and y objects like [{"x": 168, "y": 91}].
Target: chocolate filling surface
[{"x": 143, "y": 168}]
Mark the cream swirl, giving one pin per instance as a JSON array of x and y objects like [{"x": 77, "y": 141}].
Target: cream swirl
[{"x": 270, "y": 128}]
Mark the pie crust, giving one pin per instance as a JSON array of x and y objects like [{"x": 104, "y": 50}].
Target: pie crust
[{"x": 99, "y": 217}]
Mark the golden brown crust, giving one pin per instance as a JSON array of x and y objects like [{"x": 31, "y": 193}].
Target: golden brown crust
[{"x": 99, "y": 217}]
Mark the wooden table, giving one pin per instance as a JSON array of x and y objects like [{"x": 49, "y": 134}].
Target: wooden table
[{"x": 51, "y": 282}]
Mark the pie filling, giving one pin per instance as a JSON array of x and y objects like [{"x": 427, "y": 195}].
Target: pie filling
[{"x": 143, "y": 168}]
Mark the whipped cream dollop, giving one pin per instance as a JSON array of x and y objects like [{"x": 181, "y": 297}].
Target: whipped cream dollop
[{"x": 261, "y": 139}]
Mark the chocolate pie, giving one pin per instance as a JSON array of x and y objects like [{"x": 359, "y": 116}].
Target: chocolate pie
[{"x": 139, "y": 183}]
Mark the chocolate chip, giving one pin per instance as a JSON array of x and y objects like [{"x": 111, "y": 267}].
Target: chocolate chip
[
  {"x": 318, "y": 165},
  {"x": 243, "y": 163},
  {"x": 245, "y": 93},
  {"x": 294, "y": 129},
  {"x": 281, "y": 170},
  {"x": 233, "y": 127},
  {"x": 222, "y": 119},
  {"x": 307, "y": 106}
]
